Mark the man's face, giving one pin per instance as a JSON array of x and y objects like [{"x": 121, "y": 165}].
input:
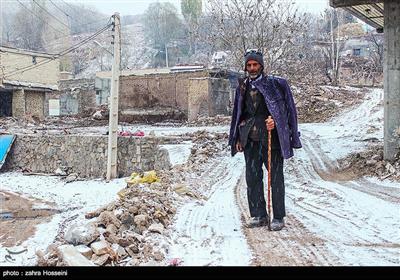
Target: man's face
[{"x": 254, "y": 68}]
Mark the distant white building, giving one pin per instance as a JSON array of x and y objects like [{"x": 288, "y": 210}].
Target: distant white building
[
  {"x": 361, "y": 46},
  {"x": 219, "y": 58}
]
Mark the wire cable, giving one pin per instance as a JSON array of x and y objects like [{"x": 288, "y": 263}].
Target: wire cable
[
  {"x": 54, "y": 42},
  {"x": 41, "y": 7},
  {"x": 66, "y": 51},
  {"x": 26, "y": 8},
  {"x": 59, "y": 9}
]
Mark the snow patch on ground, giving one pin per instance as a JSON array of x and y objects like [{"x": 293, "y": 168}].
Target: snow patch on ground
[
  {"x": 73, "y": 199},
  {"x": 359, "y": 228},
  {"x": 158, "y": 130},
  {"x": 178, "y": 153}
]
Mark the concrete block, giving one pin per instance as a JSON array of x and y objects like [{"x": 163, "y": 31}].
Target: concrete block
[
  {"x": 71, "y": 257},
  {"x": 100, "y": 247}
]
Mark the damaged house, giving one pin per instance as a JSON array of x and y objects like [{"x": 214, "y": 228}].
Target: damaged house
[
  {"x": 26, "y": 77},
  {"x": 179, "y": 93},
  {"x": 75, "y": 96}
]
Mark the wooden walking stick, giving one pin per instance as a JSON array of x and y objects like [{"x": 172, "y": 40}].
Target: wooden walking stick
[{"x": 269, "y": 177}]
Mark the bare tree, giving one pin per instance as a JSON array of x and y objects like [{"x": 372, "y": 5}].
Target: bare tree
[
  {"x": 376, "y": 51},
  {"x": 162, "y": 25},
  {"x": 30, "y": 25},
  {"x": 191, "y": 11},
  {"x": 270, "y": 25},
  {"x": 331, "y": 42}
]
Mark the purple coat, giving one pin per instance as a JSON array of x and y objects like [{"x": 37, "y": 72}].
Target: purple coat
[{"x": 280, "y": 103}]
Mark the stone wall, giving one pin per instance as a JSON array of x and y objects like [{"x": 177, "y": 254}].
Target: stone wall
[{"x": 84, "y": 155}]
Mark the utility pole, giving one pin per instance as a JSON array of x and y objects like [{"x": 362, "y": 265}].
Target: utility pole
[
  {"x": 113, "y": 116},
  {"x": 166, "y": 55}
]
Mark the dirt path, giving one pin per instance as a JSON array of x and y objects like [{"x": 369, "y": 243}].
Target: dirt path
[
  {"x": 19, "y": 217},
  {"x": 293, "y": 246}
]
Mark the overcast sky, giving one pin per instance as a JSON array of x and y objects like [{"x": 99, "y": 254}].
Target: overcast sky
[{"x": 133, "y": 7}]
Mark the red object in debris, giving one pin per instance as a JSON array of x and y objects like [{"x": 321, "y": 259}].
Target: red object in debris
[
  {"x": 138, "y": 133},
  {"x": 175, "y": 262},
  {"x": 128, "y": 133}
]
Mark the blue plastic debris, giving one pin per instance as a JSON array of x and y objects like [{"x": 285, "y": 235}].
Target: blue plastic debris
[{"x": 6, "y": 142}]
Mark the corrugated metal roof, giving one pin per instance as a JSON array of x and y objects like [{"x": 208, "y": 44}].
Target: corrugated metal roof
[{"x": 370, "y": 13}]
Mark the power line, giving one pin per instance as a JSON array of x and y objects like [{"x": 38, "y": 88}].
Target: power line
[
  {"x": 74, "y": 8},
  {"x": 59, "y": 8},
  {"x": 65, "y": 13},
  {"x": 40, "y": 18},
  {"x": 53, "y": 42},
  {"x": 40, "y": 6},
  {"x": 66, "y": 51},
  {"x": 71, "y": 7},
  {"x": 30, "y": 67}
]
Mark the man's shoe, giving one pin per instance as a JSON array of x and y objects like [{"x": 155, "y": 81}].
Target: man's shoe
[
  {"x": 257, "y": 222},
  {"x": 277, "y": 224}
]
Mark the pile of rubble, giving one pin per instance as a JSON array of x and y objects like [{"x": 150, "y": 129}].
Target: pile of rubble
[
  {"x": 371, "y": 163},
  {"x": 211, "y": 121},
  {"x": 206, "y": 145},
  {"x": 118, "y": 234},
  {"x": 101, "y": 113},
  {"x": 320, "y": 103},
  {"x": 134, "y": 229}
]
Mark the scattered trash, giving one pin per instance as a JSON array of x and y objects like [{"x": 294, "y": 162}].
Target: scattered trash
[
  {"x": 6, "y": 216},
  {"x": 129, "y": 133},
  {"x": 16, "y": 252},
  {"x": 147, "y": 177},
  {"x": 175, "y": 262}
]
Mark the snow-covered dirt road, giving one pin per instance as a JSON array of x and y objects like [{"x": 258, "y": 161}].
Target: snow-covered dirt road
[
  {"x": 331, "y": 219},
  {"x": 209, "y": 232}
]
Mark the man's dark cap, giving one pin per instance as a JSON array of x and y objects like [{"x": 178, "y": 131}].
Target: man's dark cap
[{"x": 253, "y": 55}]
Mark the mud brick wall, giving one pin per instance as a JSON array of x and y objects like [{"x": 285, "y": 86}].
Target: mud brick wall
[
  {"x": 47, "y": 73},
  {"x": 18, "y": 103},
  {"x": 84, "y": 155},
  {"x": 208, "y": 97},
  {"x": 219, "y": 95},
  {"x": 34, "y": 103},
  {"x": 28, "y": 102},
  {"x": 198, "y": 98},
  {"x": 163, "y": 90}
]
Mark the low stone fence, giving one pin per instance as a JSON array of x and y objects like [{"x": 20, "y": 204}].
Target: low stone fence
[{"x": 84, "y": 155}]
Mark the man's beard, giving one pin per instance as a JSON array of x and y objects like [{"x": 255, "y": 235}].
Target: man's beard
[{"x": 254, "y": 75}]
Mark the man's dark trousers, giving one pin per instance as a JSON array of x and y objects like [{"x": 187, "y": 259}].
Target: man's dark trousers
[{"x": 255, "y": 155}]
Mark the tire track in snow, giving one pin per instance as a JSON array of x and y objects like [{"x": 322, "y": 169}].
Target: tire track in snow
[
  {"x": 209, "y": 232},
  {"x": 356, "y": 217},
  {"x": 292, "y": 246}
]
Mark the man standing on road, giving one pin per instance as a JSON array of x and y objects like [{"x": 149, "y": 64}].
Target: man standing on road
[{"x": 258, "y": 97}]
